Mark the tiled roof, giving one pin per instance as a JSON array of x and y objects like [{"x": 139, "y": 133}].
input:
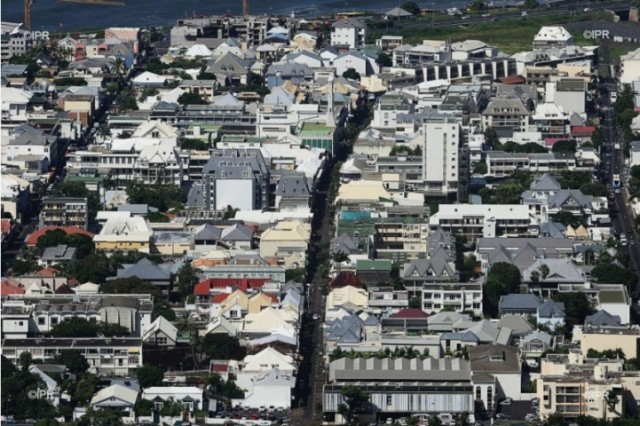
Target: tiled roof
[
  {"x": 346, "y": 278},
  {"x": 7, "y": 288},
  {"x": 204, "y": 288},
  {"x": 219, "y": 298},
  {"x": 410, "y": 313},
  {"x": 6, "y": 226},
  {"x": 32, "y": 239}
]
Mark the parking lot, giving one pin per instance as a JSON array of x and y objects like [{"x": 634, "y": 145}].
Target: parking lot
[{"x": 518, "y": 410}]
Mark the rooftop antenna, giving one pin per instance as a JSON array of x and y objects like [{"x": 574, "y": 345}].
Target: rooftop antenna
[{"x": 330, "y": 117}]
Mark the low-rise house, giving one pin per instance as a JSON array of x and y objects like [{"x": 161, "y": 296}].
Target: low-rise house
[
  {"x": 519, "y": 304},
  {"x": 348, "y": 296},
  {"x": 124, "y": 234},
  {"x": 161, "y": 333},
  {"x": 116, "y": 397},
  {"x": 147, "y": 271},
  {"x": 190, "y": 397},
  {"x": 273, "y": 388},
  {"x": 551, "y": 314},
  {"x": 602, "y": 318},
  {"x": 503, "y": 364},
  {"x": 286, "y": 243},
  {"x": 59, "y": 254},
  {"x": 374, "y": 272},
  {"x": 533, "y": 345}
]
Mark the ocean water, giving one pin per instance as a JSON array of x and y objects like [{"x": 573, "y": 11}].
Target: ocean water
[{"x": 51, "y": 15}]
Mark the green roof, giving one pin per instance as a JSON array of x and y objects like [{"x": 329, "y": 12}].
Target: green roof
[
  {"x": 373, "y": 265},
  {"x": 611, "y": 296},
  {"x": 204, "y": 126},
  {"x": 316, "y": 128}
]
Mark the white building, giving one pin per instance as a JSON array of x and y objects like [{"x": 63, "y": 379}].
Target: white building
[
  {"x": 190, "y": 397},
  {"x": 440, "y": 155},
  {"x": 484, "y": 220},
  {"x": 462, "y": 297},
  {"x": 552, "y": 36},
  {"x": 629, "y": 67},
  {"x": 273, "y": 389},
  {"x": 349, "y": 33}
]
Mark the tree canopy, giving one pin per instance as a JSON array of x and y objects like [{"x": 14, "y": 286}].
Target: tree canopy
[
  {"x": 502, "y": 279},
  {"x": 148, "y": 376},
  {"x": 411, "y": 7},
  {"x": 222, "y": 346},
  {"x": 351, "y": 74}
]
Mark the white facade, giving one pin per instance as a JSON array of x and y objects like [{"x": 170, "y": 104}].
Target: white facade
[
  {"x": 271, "y": 390},
  {"x": 348, "y": 32},
  {"x": 440, "y": 155},
  {"x": 461, "y": 297},
  {"x": 190, "y": 397},
  {"x": 630, "y": 67}
]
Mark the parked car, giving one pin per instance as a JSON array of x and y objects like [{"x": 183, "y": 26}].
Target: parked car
[
  {"x": 507, "y": 401},
  {"x": 501, "y": 416}
]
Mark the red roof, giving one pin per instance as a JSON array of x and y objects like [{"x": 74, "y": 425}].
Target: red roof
[
  {"x": 512, "y": 79},
  {"x": 552, "y": 141},
  {"x": 219, "y": 298},
  {"x": 346, "y": 278},
  {"x": 409, "y": 313},
  {"x": 219, "y": 366},
  {"x": 32, "y": 239},
  {"x": 204, "y": 288},
  {"x": 583, "y": 130},
  {"x": 48, "y": 272},
  {"x": 7, "y": 288},
  {"x": 6, "y": 226}
]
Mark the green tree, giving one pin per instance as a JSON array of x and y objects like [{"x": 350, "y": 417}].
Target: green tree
[
  {"x": 338, "y": 258},
  {"x": 75, "y": 327},
  {"x": 113, "y": 330},
  {"x": 188, "y": 98},
  {"x": 477, "y": 5},
  {"x": 481, "y": 168},
  {"x": 610, "y": 273},
  {"x": 566, "y": 218},
  {"x": 73, "y": 360},
  {"x": 411, "y": 7},
  {"x": 187, "y": 279},
  {"x": 491, "y": 137},
  {"x": 530, "y": 4},
  {"x": 222, "y": 346},
  {"x": 565, "y": 147},
  {"x": 85, "y": 388},
  {"x": 101, "y": 417},
  {"x": 384, "y": 60},
  {"x": 577, "y": 306},
  {"x": 351, "y": 74},
  {"x": 502, "y": 279},
  {"x": 25, "y": 361},
  {"x": 194, "y": 144},
  {"x": 355, "y": 402},
  {"x": 148, "y": 376}
]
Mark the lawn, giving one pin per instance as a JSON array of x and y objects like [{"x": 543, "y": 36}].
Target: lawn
[{"x": 510, "y": 36}]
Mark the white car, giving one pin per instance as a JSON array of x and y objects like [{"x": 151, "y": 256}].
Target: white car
[
  {"x": 486, "y": 15},
  {"x": 507, "y": 401}
]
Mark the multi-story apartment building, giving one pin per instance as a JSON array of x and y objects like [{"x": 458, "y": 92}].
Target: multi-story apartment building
[
  {"x": 400, "y": 238},
  {"x": 501, "y": 164},
  {"x": 506, "y": 114},
  {"x": 387, "y": 109},
  {"x": 236, "y": 178},
  {"x": 65, "y": 211},
  {"x": 349, "y": 33},
  {"x": 252, "y": 29},
  {"x": 441, "y": 156},
  {"x": 461, "y": 297},
  {"x": 107, "y": 356},
  {"x": 484, "y": 220},
  {"x": 34, "y": 316},
  {"x": 573, "y": 385},
  {"x": 16, "y": 41}
]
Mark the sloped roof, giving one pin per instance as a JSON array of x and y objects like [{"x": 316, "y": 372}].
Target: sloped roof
[
  {"x": 346, "y": 278},
  {"x": 398, "y": 12},
  {"x": 344, "y": 243},
  {"x": 145, "y": 270},
  {"x": 237, "y": 232},
  {"x": 161, "y": 324},
  {"x": 436, "y": 265},
  {"x": 409, "y": 313},
  {"x": 551, "y": 309},
  {"x": 519, "y": 301},
  {"x": 204, "y": 288},
  {"x": 207, "y": 232},
  {"x": 602, "y": 318},
  {"x": 123, "y": 393}
]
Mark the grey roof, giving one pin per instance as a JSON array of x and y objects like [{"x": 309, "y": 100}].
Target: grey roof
[
  {"x": 551, "y": 309},
  {"x": 230, "y": 64},
  {"x": 293, "y": 184},
  {"x": 345, "y": 243},
  {"x": 59, "y": 252},
  {"x": 207, "y": 232},
  {"x": 440, "y": 238},
  {"x": 485, "y": 331},
  {"x": 345, "y": 330},
  {"x": 400, "y": 369},
  {"x": 13, "y": 69},
  {"x": 145, "y": 270},
  {"x": 516, "y": 323},
  {"x": 290, "y": 70},
  {"x": 513, "y": 104},
  {"x": 237, "y": 232},
  {"x": 569, "y": 196},
  {"x": 602, "y": 318},
  {"x": 560, "y": 270},
  {"x": 196, "y": 195},
  {"x": 519, "y": 302},
  {"x": 545, "y": 183},
  {"x": 348, "y": 23},
  {"x": 538, "y": 335},
  {"x": 140, "y": 209},
  {"x": 29, "y": 135},
  {"x": 397, "y": 12},
  {"x": 463, "y": 336},
  {"x": 494, "y": 358},
  {"x": 552, "y": 230},
  {"x": 437, "y": 265}
]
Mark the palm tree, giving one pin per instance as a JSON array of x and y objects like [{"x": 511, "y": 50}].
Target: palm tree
[
  {"x": 339, "y": 257},
  {"x": 544, "y": 271},
  {"x": 185, "y": 324}
]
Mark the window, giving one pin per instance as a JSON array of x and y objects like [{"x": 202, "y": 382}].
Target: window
[
  {"x": 54, "y": 321},
  {"x": 478, "y": 393},
  {"x": 42, "y": 320},
  {"x": 389, "y": 400}
]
